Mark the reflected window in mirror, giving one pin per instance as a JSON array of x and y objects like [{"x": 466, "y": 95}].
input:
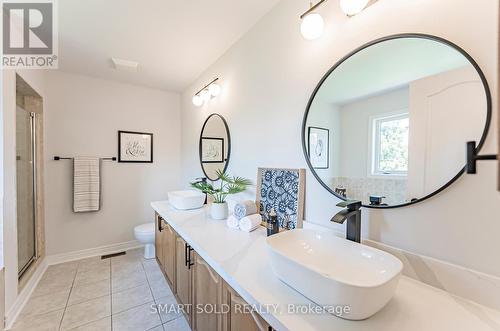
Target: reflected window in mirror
[{"x": 389, "y": 142}]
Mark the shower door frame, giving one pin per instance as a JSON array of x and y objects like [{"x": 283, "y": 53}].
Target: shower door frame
[{"x": 33, "y": 133}]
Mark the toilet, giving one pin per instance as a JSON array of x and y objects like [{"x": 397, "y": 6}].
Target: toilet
[{"x": 145, "y": 233}]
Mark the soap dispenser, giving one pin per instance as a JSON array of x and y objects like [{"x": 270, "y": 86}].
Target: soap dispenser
[{"x": 273, "y": 226}]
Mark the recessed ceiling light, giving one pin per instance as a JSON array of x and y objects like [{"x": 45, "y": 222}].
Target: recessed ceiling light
[{"x": 124, "y": 65}]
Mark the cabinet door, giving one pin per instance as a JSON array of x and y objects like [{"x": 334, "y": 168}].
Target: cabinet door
[
  {"x": 159, "y": 240},
  {"x": 240, "y": 319},
  {"x": 207, "y": 293},
  {"x": 168, "y": 247},
  {"x": 183, "y": 275}
]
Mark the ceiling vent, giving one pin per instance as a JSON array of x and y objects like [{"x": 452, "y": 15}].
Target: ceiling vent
[{"x": 124, "y": 65}]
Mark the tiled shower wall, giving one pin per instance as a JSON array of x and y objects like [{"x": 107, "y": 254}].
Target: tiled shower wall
[{"x": 362, "y": 188}]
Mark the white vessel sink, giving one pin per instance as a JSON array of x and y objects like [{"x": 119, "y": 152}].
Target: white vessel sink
[
  {"x": 185, "y": 200},
  {"x": 350, "y": 280}
]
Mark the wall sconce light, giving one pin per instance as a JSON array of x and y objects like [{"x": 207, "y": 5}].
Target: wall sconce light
[
  {"x": 211, "y": 90},
  {"x": 353, "y": 7},
  {"x": 312, "y": 25}
]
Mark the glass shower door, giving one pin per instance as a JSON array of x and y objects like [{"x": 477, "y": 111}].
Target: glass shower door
[{"x": 26, "y": 181}]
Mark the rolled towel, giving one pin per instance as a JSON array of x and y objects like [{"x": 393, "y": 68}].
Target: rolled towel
[
  {"x": 232, "y": 222},
  {"x": 250, "y": 222},
  {"x": 245, "y": 208}
]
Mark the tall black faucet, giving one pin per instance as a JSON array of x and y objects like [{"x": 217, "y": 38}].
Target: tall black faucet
[
  {"x": 202, "y": 180},
  {"x": 352, "y": 214}
]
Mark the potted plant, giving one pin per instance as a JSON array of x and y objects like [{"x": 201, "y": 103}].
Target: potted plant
[{"x": 228, "y": 185}]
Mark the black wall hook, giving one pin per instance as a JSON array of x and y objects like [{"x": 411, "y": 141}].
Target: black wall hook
[{"x": 473, "y": 157}]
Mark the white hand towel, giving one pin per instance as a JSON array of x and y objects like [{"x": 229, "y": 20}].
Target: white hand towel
[
  {"x": 232, "y": 223},
  {"x": 250, "y": 223},
  {"x": 245, "y": 208},
  {"x": 86, "y": 184}
]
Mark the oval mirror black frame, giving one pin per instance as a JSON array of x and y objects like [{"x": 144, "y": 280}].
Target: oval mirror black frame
[
  {"x": 226, "y": 160},
  {"x": 377, "y": 41}
]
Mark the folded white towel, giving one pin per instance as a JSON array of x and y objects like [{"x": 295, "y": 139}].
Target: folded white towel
[
  {"x": 86, "y": 184},
  {"x": 232, "y": 222},
  {"x": 250, "y": 222},
  {"x": 245, "y": 208}
]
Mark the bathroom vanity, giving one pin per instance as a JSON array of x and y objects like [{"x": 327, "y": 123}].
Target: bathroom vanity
[
  {"x": 196, "y": 284},
  {"x": 207, "y": 263}
]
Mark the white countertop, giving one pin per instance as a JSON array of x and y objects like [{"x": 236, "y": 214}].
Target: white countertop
[{"x": 241, "y": 259}]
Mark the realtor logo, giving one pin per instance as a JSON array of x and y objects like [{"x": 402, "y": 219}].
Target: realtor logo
[{"x": 29, "y": 35}]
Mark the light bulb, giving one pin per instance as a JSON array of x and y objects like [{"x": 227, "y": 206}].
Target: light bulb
[
  {"x": 197, "y": 100},
  {"x": 205, "y": 95},
  {"x": 353, "y": 7},
  {"x": 312, "y": 26},
  {"x": 214, "y": 89}
]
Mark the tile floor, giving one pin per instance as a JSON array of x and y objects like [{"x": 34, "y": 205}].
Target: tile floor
[{"x": 93, "y": 294}]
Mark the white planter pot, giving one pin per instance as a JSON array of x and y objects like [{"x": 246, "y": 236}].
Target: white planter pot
[{"x": 219, "y": 211}]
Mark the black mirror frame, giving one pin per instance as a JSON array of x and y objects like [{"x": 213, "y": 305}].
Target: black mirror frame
[
  {"x": 377, "y": 41},
  {"x": 227, "y": 158}
]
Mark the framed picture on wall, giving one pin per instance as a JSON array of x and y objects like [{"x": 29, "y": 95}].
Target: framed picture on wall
[
  {"x": 135, "y": 147},
  {"x": 212, "y": 150},
  {"x": 319, "y": 147}
]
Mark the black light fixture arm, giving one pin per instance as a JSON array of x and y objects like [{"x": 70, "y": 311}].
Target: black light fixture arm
[
  {"x": 473, "y": 157},
  {"x": 313, "y": 8},
  {"x": 204, "y": 87}
]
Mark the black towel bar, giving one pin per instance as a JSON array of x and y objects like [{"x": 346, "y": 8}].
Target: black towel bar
[{"x": 57, "y": 158}]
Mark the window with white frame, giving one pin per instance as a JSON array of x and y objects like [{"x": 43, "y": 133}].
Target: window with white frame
[{"x": 390, "y": 144}]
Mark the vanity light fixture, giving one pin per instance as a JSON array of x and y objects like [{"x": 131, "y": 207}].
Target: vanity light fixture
[
  {"x": 211, "y": 90},
  {"x": 312, "y": 25},
  {"x": 353, "y": 7}
]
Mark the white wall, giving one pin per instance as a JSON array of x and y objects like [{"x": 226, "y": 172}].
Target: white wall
[
  {"x": 268, "y": 76},
  {"x": 355, "y": 117},
  {"x": 82, "y": 117},
  {"x": 325, "y": 115}
]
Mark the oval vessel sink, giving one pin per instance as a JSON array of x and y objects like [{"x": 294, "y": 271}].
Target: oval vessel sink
[
  {"x": 349, "y": 280},
  {"x": 185, "y": 200}
]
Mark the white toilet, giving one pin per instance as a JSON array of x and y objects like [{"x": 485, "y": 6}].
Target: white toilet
[{"x": 145, "y": 233}]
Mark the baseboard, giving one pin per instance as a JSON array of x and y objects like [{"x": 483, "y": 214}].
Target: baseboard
[
  {"x": 91, "y": 252},
  {"x": 30, "y": 286},
  {"x": 25, "y": 294}
]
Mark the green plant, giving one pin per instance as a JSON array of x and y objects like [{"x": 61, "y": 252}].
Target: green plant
[{"x": 228, "y": 185}]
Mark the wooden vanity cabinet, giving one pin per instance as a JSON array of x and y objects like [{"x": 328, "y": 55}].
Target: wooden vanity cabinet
[
  {"x": 159, "y": 239},
  {"x": 207, "y": 294},
  {"x": 168, "y": 247},
  {"x": 237, "y": 318},
  {"x": 195, "y": 285},
  {"x": 165, "y": 249},
  {"x": 183, "y": 275}
]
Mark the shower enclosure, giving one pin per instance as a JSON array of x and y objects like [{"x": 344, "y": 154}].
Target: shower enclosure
[{"x": 27, "y": 102}]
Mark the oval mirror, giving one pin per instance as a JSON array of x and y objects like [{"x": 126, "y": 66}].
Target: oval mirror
[
  {"x": 214, "y": 146},
  {"x": 388, "y": 124}
]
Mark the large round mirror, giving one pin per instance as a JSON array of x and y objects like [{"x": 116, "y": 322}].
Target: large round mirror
[
  {"x": 214, "y": 146},
  {"x": 388, "y": 124}
]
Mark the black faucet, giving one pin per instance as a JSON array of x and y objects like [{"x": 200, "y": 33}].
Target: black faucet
[
  {"x": 202, "y": 180},
  {"x": 353, "y": 216}
]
